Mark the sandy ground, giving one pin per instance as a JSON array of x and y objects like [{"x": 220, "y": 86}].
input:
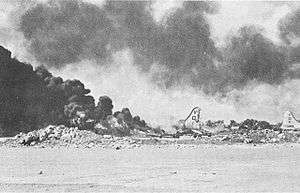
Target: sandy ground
[{"x": 202, "y": 168}]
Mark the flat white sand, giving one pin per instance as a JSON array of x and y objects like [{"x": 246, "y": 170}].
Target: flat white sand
[{"x": 202, "y": 168}]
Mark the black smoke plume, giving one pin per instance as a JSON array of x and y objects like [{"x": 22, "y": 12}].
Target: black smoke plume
[
  {"x": 104, "y": 108},
  {"x": 186, "y": 49},
  {"x": 136, "y": 29},
  {"x": 250, "y": 56},
  {"x": 62, "y": 32},
  {"x": 289, "y": 28},
  {"x": 31, "y": 99},
  {"x": 34, "y": 98},
  {"x": 181, "y": 43},
  {"x": 22, "y": 98},
  {"x": 67, "y": 31}
]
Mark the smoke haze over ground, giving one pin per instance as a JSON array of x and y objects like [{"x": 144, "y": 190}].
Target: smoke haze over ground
[{"x": 162, "y": 62}]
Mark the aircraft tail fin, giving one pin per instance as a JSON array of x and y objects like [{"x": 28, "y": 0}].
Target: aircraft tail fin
[
  {"x": 289, "y": 121},
  {"x": 193, "y": 120}
]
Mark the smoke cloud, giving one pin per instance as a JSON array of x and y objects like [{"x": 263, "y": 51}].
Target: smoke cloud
[
  {"x": 289, "y": 27},
  {"x": 290, "y": 34},
  {"x": 34, "y": 98},
  {"x": 251, "y": 56},
  {"x": 178, "y": 50},
  {"x": 174, "y": 62},
  {"x": 129, "y": 88},
  {"x": 62, "y": 32},
  {"x": 21, "y": 93},
  {"x": 186, "y": 49}
]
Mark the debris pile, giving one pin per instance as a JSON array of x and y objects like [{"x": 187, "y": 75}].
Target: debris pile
[
  {"x": 121, "y": 131},
  {"x": 253, "y": 131},
  {"x": 248, "y": 131},
  {"x": 61, "y": 135},
  {"x": 262, "y": 136},
  {"x": 56, "y": 135}
]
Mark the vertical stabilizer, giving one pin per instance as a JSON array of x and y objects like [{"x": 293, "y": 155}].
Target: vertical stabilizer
[
  {"x": 193, "y": 120},
  {"x": 290, "y": 122}
]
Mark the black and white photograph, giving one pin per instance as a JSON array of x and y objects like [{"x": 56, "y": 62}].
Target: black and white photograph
[{"x": 167, "y": 96}]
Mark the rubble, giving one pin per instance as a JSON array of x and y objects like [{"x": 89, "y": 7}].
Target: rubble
[
  {"x": 55, "y": 133},
  {"x": 118, "y": 134},
  {"x": 248, "y": 131},
  {"x": 55, "y": 136}
]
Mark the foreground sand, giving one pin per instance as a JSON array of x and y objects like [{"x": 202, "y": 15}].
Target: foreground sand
[{"x": 169, "y": 168}]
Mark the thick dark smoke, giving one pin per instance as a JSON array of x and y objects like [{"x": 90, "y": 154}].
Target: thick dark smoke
[
  {"x": 181, "y": 44},
  {"x": 31, "y": 99},
  {"x": 289, "y": 27},
  {"x": 104, "y": 107},
  {"x": 186, "y": 48},
  {"x": 176, "y": 51},
  {"x": 136, "y": 29},
  {"x": 34, "y": 98},
  {"x": 250, "y": 56},
  {"x": 22, "y": 94},
  {"x": 62, "y": 32},
  {"x": 67, "y": 31}
]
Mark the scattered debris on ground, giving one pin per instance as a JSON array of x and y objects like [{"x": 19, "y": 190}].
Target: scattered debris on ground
[
  {"x": 52, "y": 136},
  {"x": 121, "y": 136}
]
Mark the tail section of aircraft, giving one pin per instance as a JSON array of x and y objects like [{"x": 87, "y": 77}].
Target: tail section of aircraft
[
  {"x": 290, "y": 122},
  {"x": 193, "y": 120}
]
